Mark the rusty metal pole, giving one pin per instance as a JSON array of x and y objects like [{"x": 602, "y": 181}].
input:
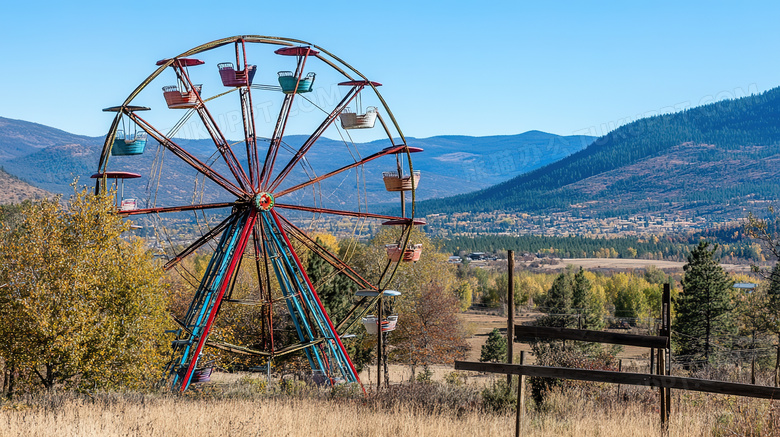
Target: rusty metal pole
[
  {"x": 510, "y": 318},
  {"x": 379, "y": 343}
]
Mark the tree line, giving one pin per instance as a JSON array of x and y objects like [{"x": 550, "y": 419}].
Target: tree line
[{"x": 734, "y": 245}]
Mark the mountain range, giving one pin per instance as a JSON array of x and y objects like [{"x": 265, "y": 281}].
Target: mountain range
[
  {"x": 716, "y": 160},
  {"x": 50, "y": 159}
]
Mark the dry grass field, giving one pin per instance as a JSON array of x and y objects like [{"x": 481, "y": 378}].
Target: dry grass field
[
  {"x": 245, "y": 405},
  {"x": 571, "y": 414}
]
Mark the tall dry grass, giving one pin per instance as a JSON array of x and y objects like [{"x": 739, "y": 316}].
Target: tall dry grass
[{"x": 248, "y": 408}]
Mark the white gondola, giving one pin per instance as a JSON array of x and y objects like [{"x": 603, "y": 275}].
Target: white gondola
[
  {"x": 128, "y": 205},
  {"x": 393, "y": 182},
  {"x": 388, "y": 323},
  {"x": 352, "y": 120}
]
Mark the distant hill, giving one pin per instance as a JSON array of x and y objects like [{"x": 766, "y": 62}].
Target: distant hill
[
  {"x": 13, "y": 190},
  {"x": 50, "y": 159},
  {"x": 714, "y": 159},
  {"x": 21, "y": 138}
]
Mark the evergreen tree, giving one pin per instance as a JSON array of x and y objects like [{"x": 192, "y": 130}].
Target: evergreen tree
[
  {"x": 771, "y": 314},
  {"x": 704, "y": 307},
  {"x": 774, "y": 287},
  {"x": 559, "y": 300},
  {"x": 579, "y": 297},
  {"x": 585, "y": 303},
  {"x": 335, "y": 290},
  {"x": 494, "y": 349}
]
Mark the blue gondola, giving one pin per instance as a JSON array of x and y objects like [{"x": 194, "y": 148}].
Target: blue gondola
[{"x": 287, "y": 80}]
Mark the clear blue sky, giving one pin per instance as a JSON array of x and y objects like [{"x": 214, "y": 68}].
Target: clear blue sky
[{"x": 469, "y": 68}]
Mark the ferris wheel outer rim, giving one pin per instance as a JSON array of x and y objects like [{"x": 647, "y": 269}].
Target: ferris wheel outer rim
[{"x": 105, "y": 152}]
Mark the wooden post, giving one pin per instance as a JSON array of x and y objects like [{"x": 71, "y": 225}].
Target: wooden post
[
  {"x": 520, "y": 399},
  {"x": 753, "y": 361},
  {"x": 652, "y": 361},
  {"x": 620, "y": 369},
  {"x": 510, "y": 318},
  {"x": 777, "y": 362},
  {"x": 662, "y": 394}
]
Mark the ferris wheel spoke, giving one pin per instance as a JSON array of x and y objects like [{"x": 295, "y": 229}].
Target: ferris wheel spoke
[
  {"x": 211, "y": 127},
  {"x": 325, "y": 254},
  {"x": 223, "y": 147},
  {"x": 250, "y": 137},
  {"x": 356, "y": 214},
  {"x": 284, "y": 114},
  {"x": 315, "y": 136},
  {"x": 264, "y": 276},
  {"x": 276, "y": 139},
  {"x": 197, "y": 207},
  {"x": 205, "y": 238},
  {"x": 388, "y": 151},
  {"x": 337, "y": 346},
  {"x": 187, "y": 157}
]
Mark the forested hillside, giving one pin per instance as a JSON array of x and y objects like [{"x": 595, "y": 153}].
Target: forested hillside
[
  {"x": 13, "y": 190},
  {"x": 734, "y": 144}
]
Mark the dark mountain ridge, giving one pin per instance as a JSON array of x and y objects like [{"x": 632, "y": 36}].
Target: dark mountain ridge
[{"x": 723, "y": 152}]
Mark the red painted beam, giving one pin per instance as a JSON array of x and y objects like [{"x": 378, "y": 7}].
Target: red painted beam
[{"x": 239, "y": 251}]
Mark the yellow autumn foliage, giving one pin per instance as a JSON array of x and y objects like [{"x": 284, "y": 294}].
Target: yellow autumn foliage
[{"x": 80, "y": 304}]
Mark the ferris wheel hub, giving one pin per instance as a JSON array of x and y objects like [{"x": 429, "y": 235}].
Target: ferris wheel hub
[{"x": 263, "y": 201}]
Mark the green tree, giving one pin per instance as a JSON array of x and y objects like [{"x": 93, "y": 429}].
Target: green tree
[
  {"x": 558, "y": 301},
  {"x": 335, "y": 290},
  {"x": 494, "y": 349},
  {"x": 705, "y": 304},
  {"x": 654, "y": 275},
  {"x": 771, "y": 314},
  {"x": 585, "y": 303},
  {"x": 573, "y": 302},
  {"x": 630, "y": 301},
  {"x": 80, "y": 305}
]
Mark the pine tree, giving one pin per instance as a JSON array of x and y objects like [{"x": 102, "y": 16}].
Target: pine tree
[
  {"x": 583, "y": 302},
  {"x": 494, "y": 349},
  {"x": 335, "y": 290},
  {"x": 704, "y": 307},
  {"x": 559, "y": 300},
  {"x": 771, "y": 314}
]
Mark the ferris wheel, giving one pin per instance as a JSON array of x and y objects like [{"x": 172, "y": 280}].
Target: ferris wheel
[{"x": 250, "y": 165}]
